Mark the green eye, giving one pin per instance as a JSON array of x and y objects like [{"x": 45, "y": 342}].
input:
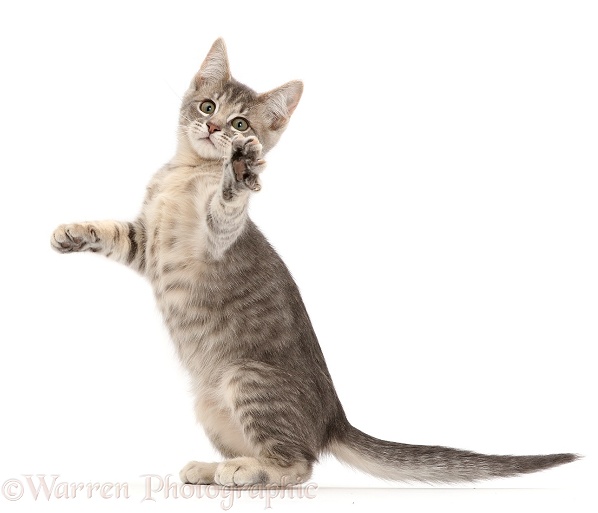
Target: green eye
[
  {"x": 240, "y": 124},
  {"x": 207, "y": 107}
]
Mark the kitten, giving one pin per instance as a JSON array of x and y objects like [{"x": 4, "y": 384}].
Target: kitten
[{"x": 262, "y": 390}]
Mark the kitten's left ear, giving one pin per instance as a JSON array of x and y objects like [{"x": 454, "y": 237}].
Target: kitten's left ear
[
  {"x": 281, "y": 102},
  {"x": 215, "y": 68}
]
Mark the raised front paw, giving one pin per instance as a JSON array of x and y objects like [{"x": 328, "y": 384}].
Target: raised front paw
[
  {"x": 75, "y": 237},
  {"x": 246, "y": 161}
]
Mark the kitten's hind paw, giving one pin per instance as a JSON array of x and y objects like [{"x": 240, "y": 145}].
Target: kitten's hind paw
[
  {"x": 246, "y": 161},
  {"x": 196, "y": 472}
]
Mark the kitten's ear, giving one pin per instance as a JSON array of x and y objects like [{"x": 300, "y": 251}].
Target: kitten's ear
[
  {"x": 215, "y": 68},
  {"x": 281, "y": 102}
]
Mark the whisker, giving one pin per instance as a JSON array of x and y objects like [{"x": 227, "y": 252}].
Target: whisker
[
  {"x": 184, "y": 116},
  {"x": 172, "y": 89}
]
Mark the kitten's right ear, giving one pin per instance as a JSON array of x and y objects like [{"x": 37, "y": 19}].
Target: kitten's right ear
[
  {"x": 215, "y": 68},
  {"x": 281, "y": 102}
]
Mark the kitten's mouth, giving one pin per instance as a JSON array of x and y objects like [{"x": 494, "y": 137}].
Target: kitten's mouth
[{"x": 208, "y": 140}]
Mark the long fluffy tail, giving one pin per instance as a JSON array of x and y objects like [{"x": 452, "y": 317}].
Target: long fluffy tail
[{"x": 433, "y": 464}]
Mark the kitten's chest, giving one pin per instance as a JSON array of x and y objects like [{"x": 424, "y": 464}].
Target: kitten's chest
[{"x": 175, "y": 217}]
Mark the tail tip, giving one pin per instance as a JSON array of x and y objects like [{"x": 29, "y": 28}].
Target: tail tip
[
  {"x": 568, "y": 458},
  {"x": 555, "y": 460}
]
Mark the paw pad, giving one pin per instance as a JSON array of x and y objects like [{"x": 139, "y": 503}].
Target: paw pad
[{"x": 246, "y": 161}]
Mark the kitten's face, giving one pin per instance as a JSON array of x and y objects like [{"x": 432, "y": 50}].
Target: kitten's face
[
  {"x": 216, "y": 108},
  {"x": 212, "y": 116}
]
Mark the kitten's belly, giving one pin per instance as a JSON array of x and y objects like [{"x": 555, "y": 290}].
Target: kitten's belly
[{"x": 195, "y": 324}]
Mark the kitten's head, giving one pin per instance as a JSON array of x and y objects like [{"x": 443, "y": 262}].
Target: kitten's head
[{"x": 217, "y": 107}]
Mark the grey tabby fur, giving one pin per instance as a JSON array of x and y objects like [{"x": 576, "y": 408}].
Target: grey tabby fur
[{"x": 262, "y": 390}]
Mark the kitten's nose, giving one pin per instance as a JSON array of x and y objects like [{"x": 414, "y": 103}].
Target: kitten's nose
[{"x": 213, "y": 128}]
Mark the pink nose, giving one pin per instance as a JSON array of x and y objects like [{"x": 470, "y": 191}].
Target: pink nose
[{"x": 213, "y": 128}]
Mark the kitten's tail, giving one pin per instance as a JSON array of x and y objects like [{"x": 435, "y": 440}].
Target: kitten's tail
[{"x": 433, "y": 464}]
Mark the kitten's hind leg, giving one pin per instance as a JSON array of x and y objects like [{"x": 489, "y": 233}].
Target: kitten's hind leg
[
  {"x": 196, "y": 472},
  {"x": 267, "y": 406}
]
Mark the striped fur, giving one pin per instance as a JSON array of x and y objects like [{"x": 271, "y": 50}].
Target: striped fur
[{"x": 262, "y": 390}]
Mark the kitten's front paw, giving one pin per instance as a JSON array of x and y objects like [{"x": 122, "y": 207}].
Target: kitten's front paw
[
  {"x": 75, "y": 237},
  {"x": 246, "y": 161}
]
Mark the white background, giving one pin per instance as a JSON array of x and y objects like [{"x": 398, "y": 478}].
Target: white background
[{"x": 434, "y": 198}]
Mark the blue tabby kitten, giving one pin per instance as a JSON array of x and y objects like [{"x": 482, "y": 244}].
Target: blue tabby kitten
[{"x": 263, "y": 393}]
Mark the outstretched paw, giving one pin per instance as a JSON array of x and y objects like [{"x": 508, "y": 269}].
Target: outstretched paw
[
  {"x": 68, "y": 238},
  {"x": 246, "y": 161}
]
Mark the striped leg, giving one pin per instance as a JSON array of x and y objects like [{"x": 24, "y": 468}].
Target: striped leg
[
  {"x": 267, "y": 406},
  {"x": 120, "y": 241},
  {"x": 227, "y": 212}
]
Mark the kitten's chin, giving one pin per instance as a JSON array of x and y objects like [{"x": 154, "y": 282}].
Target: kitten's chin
[{"x": 206, "y": 149}]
